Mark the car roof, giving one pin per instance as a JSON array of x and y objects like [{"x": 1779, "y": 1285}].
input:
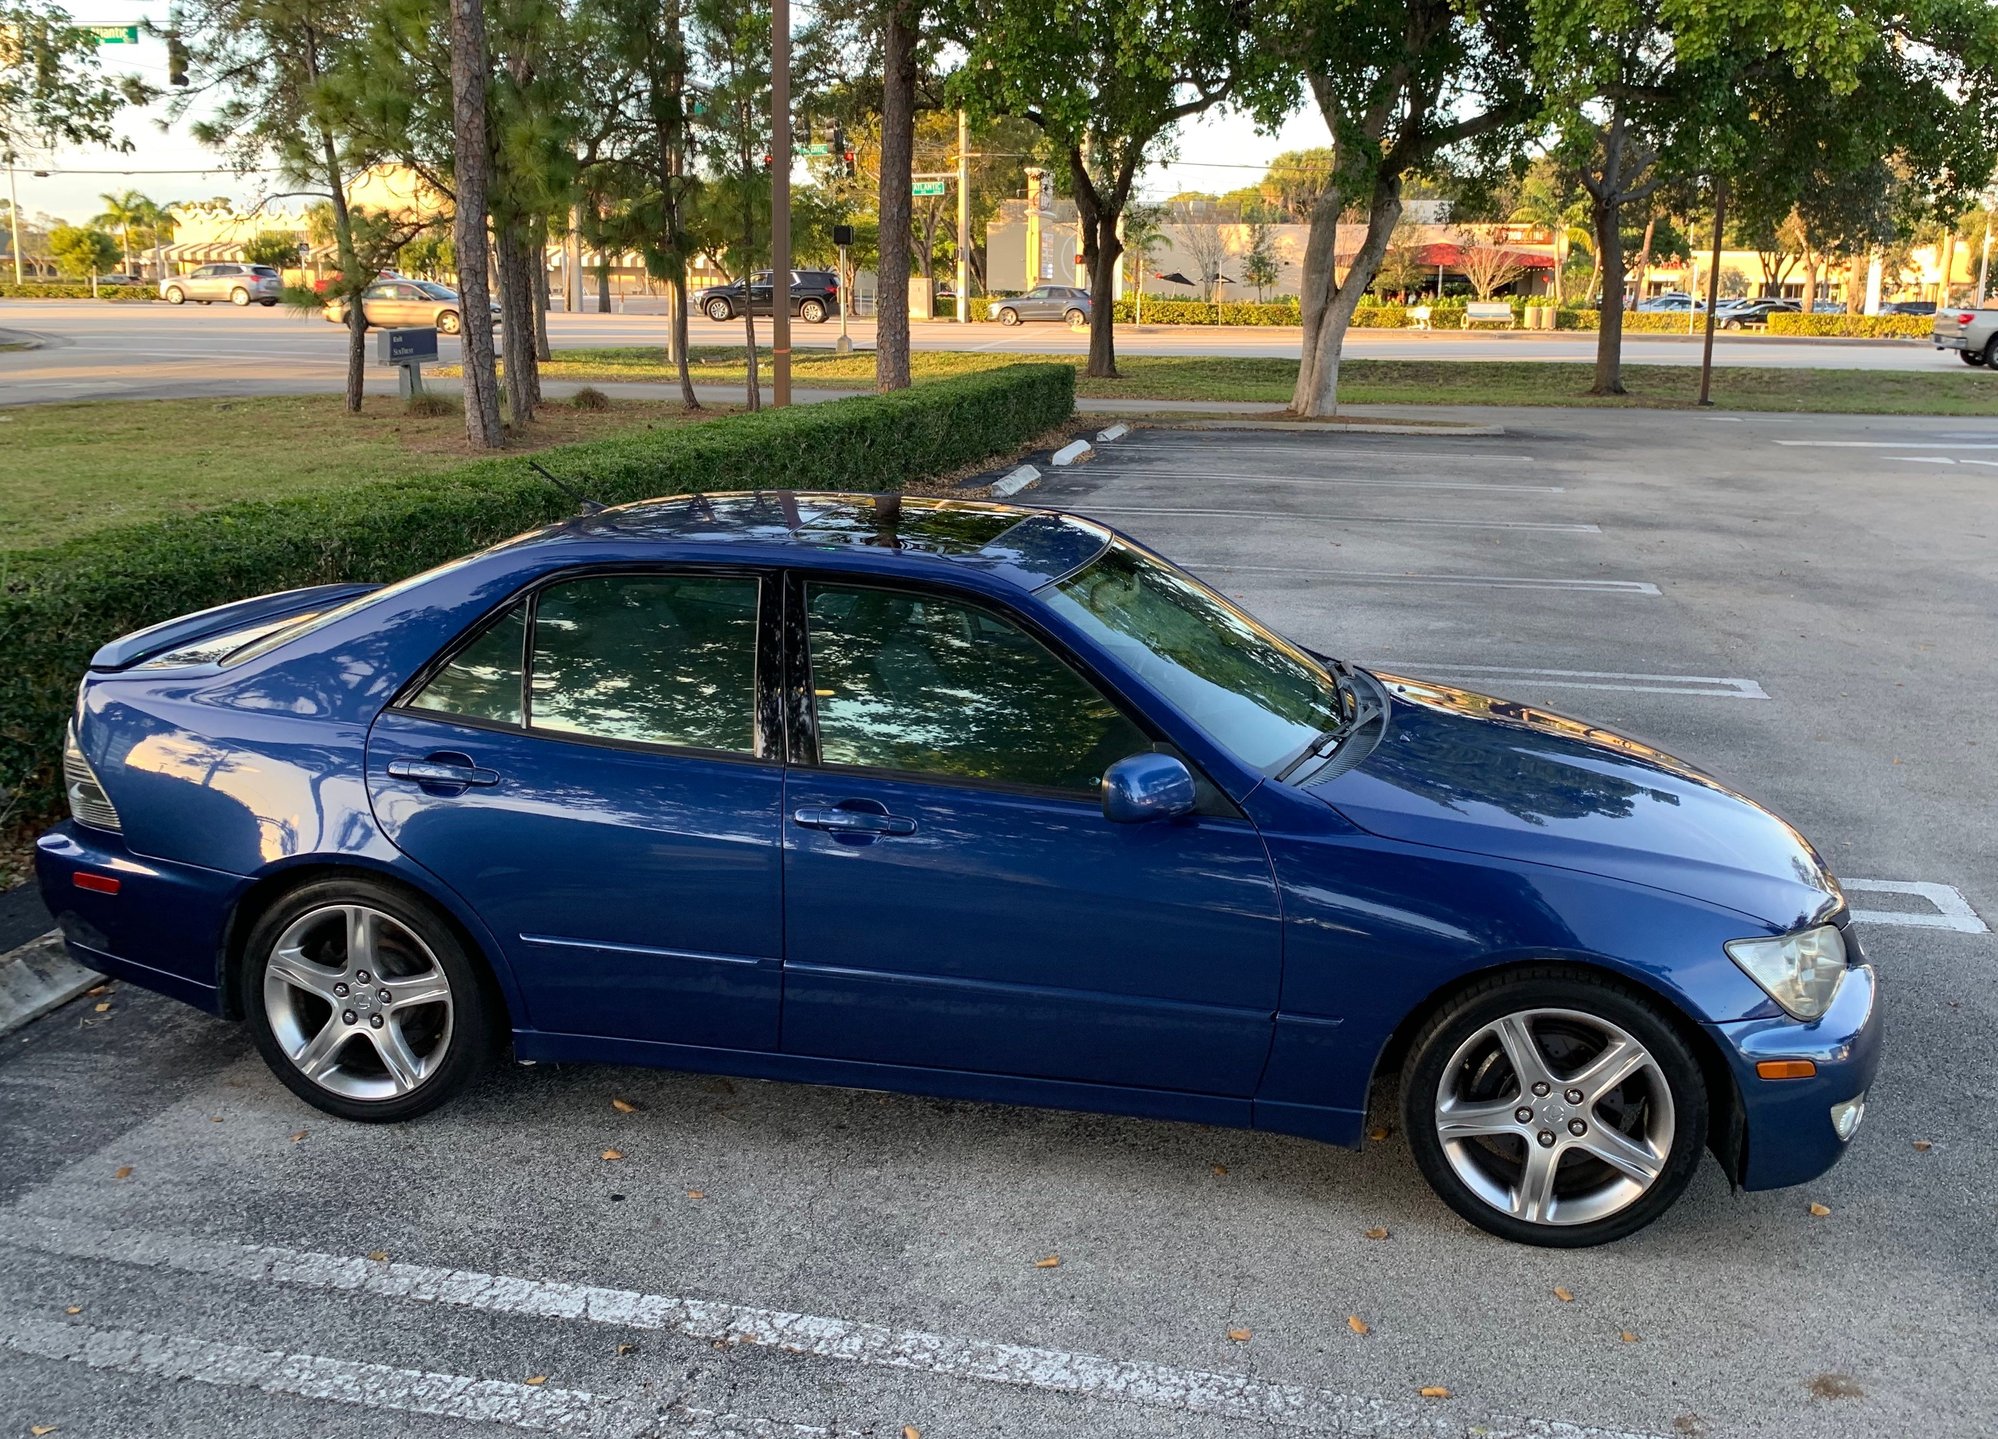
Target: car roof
[{"x": 1027, "y": 547}]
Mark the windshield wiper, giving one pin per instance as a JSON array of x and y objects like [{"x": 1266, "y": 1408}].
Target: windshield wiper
[{"x": 1359, "y": 706}]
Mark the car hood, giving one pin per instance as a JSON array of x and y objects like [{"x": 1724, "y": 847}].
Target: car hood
[{"x": 1465, "y": 771}]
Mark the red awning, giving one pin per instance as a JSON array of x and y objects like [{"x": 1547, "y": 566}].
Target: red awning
[{"x": 1452, "y": 257}]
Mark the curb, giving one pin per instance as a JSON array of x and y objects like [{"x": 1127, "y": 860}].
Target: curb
[
  {"x": 38, "y": 977},
  {"x": 1072, "y": 453},
  {"x": 1014, "y": 482},
  {"x": 22, "y": 340},
  {"x": 1319, "y": 427}
]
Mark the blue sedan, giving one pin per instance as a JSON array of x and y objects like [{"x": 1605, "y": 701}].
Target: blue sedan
[{"x": 959, "y": 799}]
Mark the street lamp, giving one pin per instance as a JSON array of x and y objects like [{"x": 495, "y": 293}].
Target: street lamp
[{"x": 14, "y": 215}]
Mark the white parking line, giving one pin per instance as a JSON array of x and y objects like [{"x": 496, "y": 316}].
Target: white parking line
[
  {"x": 1143, "y": 1385},
  {"x": 1941, "y": 460},
  {"x": 1180, "y": 473},
  {"x": 1180, "y": 447},
  {"x": 1891, "y": 444},
  {"x": 1580, "y": 529},
  {"x": 1952, "y": 910},
  {"x": 1718, "y": 686},
  {"x": 1402, "y": 577}
]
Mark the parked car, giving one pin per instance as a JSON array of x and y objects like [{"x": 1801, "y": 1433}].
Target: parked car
[
  {"x": 238, "y": 284},
  {"x": 321, "y": 284},
  {"x": 1827, "y": 307},
  {"x": 1045, "y": 302},
  {"x": 814, "y": 297},
  {"x": 119, "y": 277},
  {"x": 1753, "y": 313},
  {"x": 1671, "y": 302},
  {"x": 1007, "y": 807},
  {"x": 1971, "y": 331},
  {"x": 390, "y": 303},
  {"x": 1909, "y": 307}
]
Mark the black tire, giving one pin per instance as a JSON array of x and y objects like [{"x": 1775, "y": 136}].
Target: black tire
[
  {"x": 448, "y": 322},
  {"x": 1971, "y": 357},
  {"x": 239, "y": 297},
  {"x": 268, "y": 304},
  {"x": 475, "y": 1021},
  {"x": 1598, "y": 996},
  {"x": 1076, "y": 317},
  {"x": 175, "y": 295},
  {"x": 719, "y": 310},
  {"x": 1730, "y": 324},
  {"x": 1991, "y": 352},
  {"x": 813, "y": 312},
  {"x": 1008, "y": 315}
]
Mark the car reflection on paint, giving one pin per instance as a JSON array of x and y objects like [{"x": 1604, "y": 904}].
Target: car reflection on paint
[{"x": 962, "y": 799}]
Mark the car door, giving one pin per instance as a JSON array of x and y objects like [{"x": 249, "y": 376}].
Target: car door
[
  {"x": 378, "y": 303},
  {"x": 203, "y": 283},
  {"x": 614, "y": 820},
  {"x": 954, "y": 898},
  {"x": 1037, "y": 305},
  {"x": 760, "y": 292}
]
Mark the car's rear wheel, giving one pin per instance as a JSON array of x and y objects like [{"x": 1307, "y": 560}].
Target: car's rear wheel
[
  {"x": 1076, "y": 318},
  {"x": 448, "y": 322},
  {"x": 812, "y": 312},
  {"x": 363, "y": 1002},
  {"x": 239, "y": 297},
  {"x": 1971, "y": 357},
  {"x": 175, "y": 295},
  {"x": 1554, "y": 1109},
  {"x": 1008, "y": 315},
  {"x": 720, "y": 310},
  {"x": 267, "y": 304}
]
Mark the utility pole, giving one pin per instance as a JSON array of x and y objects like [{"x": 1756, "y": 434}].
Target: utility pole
[
  {"x": 1983, "y": 263},
  {"x": 780, "y": 202},
  {"x": 963, "y": 218},
  {"x": 1713, "y": 293},
  {"x": 14, "y": 217}
]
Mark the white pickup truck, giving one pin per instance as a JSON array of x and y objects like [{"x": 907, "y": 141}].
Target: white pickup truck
[{"x": 1972, "y": 333}]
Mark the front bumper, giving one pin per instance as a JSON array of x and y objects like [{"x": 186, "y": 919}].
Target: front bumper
[{"x": 1789, "y": 1135}]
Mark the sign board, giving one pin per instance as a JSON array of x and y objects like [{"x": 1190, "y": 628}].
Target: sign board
[
  {"x": 402, "y": 347},
  {"x": 927, "y": 187},
  {"x": 113, "y": 34},
  {"x": 817, "y": 149}
]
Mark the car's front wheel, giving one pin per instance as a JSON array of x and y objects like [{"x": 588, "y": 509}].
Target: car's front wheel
[
  {"x": 175, "y": 295},
  {"x": 447, "y": 322},
  {"x": 363, "y": 1002},
  {"x": 812, "y": 312},
  {"x": 1991, "y": 352},
  {"x": 720, "y": 310},
  {"x": 1554, "y": 1108},
  {"x": 1009, "y": 316}
]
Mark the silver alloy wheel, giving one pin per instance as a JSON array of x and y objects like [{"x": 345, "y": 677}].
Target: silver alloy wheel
[
  {"x": 719, "y": 310},
  {"x": 358, "y": 1002},
  {"x": 1566, "y": 1137}
]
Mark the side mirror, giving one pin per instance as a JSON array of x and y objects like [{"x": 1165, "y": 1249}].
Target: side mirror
[{"x": 1147, "y": 786}]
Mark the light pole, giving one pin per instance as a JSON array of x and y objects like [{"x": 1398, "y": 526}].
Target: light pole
[
  {"x": 1983, "y": 264},
  {"x": 963, "y": 218},
  {"x": 14, "y": 217},
  {"x": 780, "y": 203}
]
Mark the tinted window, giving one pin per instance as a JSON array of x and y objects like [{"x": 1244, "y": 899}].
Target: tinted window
[
  {"x": 379, "y": 292},
  {"x": 911, "y": 682},
  {"x": 659, "y": 659},
  {"x": 482, "y": 681}
]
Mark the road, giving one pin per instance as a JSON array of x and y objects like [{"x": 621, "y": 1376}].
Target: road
[
  {"x": 133, "y": 351},
  {"x": 1809, "y": 611}
]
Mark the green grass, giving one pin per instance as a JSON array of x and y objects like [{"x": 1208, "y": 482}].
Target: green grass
[
  {"x": 1957, "y": 390},
  {"x": 77, "y": 468}
]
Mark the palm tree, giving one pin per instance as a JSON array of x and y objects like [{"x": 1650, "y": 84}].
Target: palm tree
[{"x": 121, "y": 213}]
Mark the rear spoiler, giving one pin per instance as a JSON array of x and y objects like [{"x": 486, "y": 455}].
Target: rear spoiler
[{"x": 157, "y": 639}]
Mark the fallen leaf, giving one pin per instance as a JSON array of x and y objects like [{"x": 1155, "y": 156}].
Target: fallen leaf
[
  {"x": 1241, "y": 1336},
  {"x": 624, "y": 1106},
  {"x": 1563, "y": 1293},
  {"x": 1379, "y": 1231},
  {"x": 214, "y": 1119},
  {"x": 1434, "y": 1391},
  {"x": 1923, "y": 1145},
  {"x": 74, "y": 1309},
  {"x": 1358, "y": 1325},
  {"x": 380, "y": 1256},
  {"x": 697, "y": 1194},
  {"x": 1053, "y": 1261},
  {"x": 1220, "y": 1169},
  {"x": 40, "y": 1429},
  {"x": 537, "y": 1379},
  {"x": 1818, "y": 1210},
  {"x": 624, "y": 1349},
  {"x": 612, "y": 1155},
  {"x": 298, "y": 1136},
  {"x": 1378, "y": 1133},
  {"x": 123, "y": 1171},
  {"x": 1629, "y": 1336},
  {"x": 103, "y": 1007},
  {"x": 910, "y": 1431},
  {"x": 98, "y": 989}
]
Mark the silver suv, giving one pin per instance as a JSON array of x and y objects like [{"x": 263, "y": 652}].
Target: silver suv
[{"x": 238, "y": 284}]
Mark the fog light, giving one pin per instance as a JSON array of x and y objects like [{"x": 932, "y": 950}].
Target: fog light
[{"x": 1847, "y": 1114}]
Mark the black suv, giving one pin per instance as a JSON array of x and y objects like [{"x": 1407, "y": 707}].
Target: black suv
[{"x": 814, "y": 297}]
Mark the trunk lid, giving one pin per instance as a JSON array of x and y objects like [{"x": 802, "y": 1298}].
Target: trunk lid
[{"x": 227, "y": 627}]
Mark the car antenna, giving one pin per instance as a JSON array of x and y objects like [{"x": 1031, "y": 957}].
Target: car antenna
[{"x": 584, "y": 503}]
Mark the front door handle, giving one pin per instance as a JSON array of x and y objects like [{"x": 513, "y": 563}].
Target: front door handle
[
  {"x": 853, "y": 821},
  {"x": 442, "y": 771}
]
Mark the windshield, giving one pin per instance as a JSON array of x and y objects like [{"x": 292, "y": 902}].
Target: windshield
[
  {"x": 437, "y": 292},
  {"x": 1256, "y": 694}
]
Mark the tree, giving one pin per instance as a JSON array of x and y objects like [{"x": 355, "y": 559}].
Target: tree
[
  {"x": 1488, "y": 266},
  {"x": 1401, "y": 269},
  {"x": 1401, "y": 85},
  {"x": 732, "y": 223},
  {"x": 1207, "y": 248},
  {"x": 1144, "y": 232},
  {"x": 80, "y": 254},
  {"x": 900, "y": 33},
  {"x": 472, "y": 172},
  {"x": 275, "y": 248},
  {"x": 121, "y": 213},
  {"x": 52, "y": 87},
  {"x": 1260, "y": 263},
  {"x": 1105, "y": 84}
]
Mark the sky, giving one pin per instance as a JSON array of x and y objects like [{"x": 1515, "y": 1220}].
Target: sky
[{"x": 1214, "y": 153}]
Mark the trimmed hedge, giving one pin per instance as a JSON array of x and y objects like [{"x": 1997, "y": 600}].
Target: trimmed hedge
[
  {"x": 58, "y": 604},
  {"x": 1162, "y": 310},
  {"x": 1871, "y": 327},
  {"x": 74, "y": 290}
]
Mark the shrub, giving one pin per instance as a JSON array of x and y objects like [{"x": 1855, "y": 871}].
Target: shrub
[
  {"x": 431, "y": 405},
  {"x": 590, "y": 398},
  {"x": 1872, "y": 327},
  {"x": 60, "y": 603},
  {"x": 74, "y": 290},
  {"x": 1172, "y": 310}
]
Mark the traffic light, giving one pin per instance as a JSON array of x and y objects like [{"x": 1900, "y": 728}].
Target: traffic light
[{"x": 176, "y": 61}]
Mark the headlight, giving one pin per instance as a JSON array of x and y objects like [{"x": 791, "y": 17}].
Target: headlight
[{"x": 1799, "y": 971}]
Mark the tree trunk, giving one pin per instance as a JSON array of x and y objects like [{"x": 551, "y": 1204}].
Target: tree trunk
[
  {"x": 1321, "y": 247},
  {"x": 1643, "y": 271},
  {"x": 1342, "y": 297},
  {"x": 1607, "y": 212},
  {"x": 473, "y": 158},
  {"x": 603, "y": 283},
  {"x": 350, "y": 271},
  {"x": 539, "y": 243},
  {"x": 898, "y": 144},
  {"x": 521, "y": 373},
  {"x": 1102, "y": 298},
  {"x": 1810, "y": 296}
]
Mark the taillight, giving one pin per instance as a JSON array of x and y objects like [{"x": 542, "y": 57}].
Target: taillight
[
  {"x": 88, "y": 804},
  {"x": 1966, "y": 317}
]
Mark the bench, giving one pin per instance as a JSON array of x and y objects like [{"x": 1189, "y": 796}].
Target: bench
[{"x": 1489, "y": 312}]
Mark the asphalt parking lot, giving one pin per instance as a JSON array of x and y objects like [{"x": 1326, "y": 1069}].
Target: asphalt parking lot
[{"x": 1808, "y": 609}]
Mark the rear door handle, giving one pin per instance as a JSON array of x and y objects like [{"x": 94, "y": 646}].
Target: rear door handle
[
  {"x": 853, "y": 821},
  {"x": 431, "y": 771}
]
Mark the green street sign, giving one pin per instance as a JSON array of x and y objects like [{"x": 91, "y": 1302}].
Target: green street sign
[
  {"x": 928, "y": 187},
  {"x": 818, "y": 149},
  {"x": 113, "y": 34}
]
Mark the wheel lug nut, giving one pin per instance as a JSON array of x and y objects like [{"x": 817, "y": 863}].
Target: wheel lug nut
[
  {"x": 362, "y": 976},
  {"x": 1523, "y": 1115},
  {"x": 375, "y": 1020},
  {"x": 349, "y": 1016},
  {"x": 1577, "y": 1128},
  {"x": 1542, "y": 1089},
  {"x": 383, "y": 996},
  {"x": 1546, "y": 1138},
  {"x": 341, "y": 990},
  {"x": 1574, "y": 1096}
]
